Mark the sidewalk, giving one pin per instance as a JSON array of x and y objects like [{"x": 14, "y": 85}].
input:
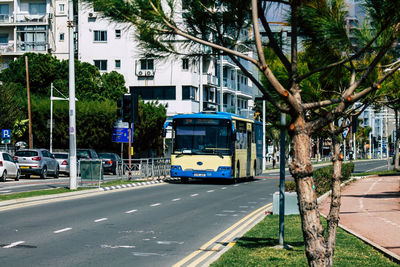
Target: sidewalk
[{"x": 371, "y": 209}]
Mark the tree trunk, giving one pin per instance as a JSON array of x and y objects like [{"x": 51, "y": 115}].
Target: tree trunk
[
  {"x": 302, "y": 171},
  {"x": 333, "y": 217},
  {"x": 396, "y": 147}
]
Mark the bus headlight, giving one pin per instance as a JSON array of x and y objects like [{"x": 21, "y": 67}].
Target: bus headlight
[
  {"x": 176, "y": 167},
  {"x": 223, "y": 169}
]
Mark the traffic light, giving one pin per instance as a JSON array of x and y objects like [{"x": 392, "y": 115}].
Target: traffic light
[
  {"x": 135, "y": 105},
  {"x": 127, "y": 108},
  {"x": 119, "y": 108}
]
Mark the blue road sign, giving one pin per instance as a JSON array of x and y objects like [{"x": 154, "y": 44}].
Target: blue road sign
[
  {"x": 121, "y": 135},
  {"x": 5, "y": 134}
]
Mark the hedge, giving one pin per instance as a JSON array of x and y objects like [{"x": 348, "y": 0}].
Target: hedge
[{"x": 323, "y": 178}]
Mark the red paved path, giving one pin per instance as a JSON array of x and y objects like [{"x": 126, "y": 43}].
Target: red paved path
[{"x": 371, "y": 207}]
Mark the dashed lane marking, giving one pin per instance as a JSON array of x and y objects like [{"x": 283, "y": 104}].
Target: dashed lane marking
[
  {"x": 210, "y": 191},
  {"x": 130, "y": 211},
  {"x": 155, "y": 205},
  {"x": 14, "y": 244},
  {"x": 62, "y": 230},
  {"x": 193, "y": 195},
  {"x": 100, "y": 220},
  {"x": 176, "y": 199}
]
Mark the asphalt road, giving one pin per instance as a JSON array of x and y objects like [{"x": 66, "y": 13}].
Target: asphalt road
[
  {"x": 147, "y": 226},
  {"x": 35, "y": 183}
]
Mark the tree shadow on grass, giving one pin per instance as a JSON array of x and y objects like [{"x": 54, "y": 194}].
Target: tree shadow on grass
[{"x": 251, "y": 242}]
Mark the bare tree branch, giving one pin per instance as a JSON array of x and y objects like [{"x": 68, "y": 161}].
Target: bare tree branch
[
  {"x": 267, "y": 95},
  {"x": 278, "y": 51}
]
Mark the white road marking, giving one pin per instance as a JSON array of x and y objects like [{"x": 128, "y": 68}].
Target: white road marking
[
  {"x": 176, "y": 199},
  {"x": 100, "y": 220},
  {"x": 194, "y": 195},
  {"x": 380, "y": 167},
  {"x": 109, "y": 246},
  {"x": 130, "y": 211},
  {"x": 223, "y": 188},
  {"x": 236, "y": 185},
  {"x": 169, "y": 242},
  {"x": 243, "y": 207},
  {"x": 221, "y": 214},
  {"x": 229, "y": 211},
  {"x": 5, "y": 191},
  {"x": 210, "y": 191},
  {"x": 14, "y": 244},
  {"x": 62, "y": 230},
  {"x": 155, "y": 205}
]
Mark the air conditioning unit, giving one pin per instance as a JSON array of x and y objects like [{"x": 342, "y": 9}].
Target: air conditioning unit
[
  {"x": 91, "y": 15},
  {"x": 140, "y": 73}
]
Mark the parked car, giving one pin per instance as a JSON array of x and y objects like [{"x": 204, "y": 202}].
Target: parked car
[
  {"x": 110, "y": 162},
  {"x": 37, "y": 161},
  {"x": 86, "y": 153},
  {"x": 8, "y": 167},
  {"x": 63, "y": 161}
]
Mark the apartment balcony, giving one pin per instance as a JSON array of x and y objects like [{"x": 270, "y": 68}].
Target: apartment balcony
[
  {"x": 27, "y": 18},
  {"x": 6, "y": 48},
  {"x": 211, "y": 80},
  {"x": 31, "y": 47},
  {"x": 6, "y": 19}
]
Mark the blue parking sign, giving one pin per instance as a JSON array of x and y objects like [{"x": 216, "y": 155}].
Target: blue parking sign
[{"x": 5, "y": 134}]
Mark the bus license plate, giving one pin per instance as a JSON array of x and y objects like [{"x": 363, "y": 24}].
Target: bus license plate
[{"x": 200, "y": 174}]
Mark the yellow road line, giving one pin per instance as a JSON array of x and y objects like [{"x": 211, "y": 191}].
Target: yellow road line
[
  {"x": 217, "y": 247},
  {"x": 202, "y": 248}
]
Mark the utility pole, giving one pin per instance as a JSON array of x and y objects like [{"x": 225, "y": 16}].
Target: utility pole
[
  {"x": 29, "y": 102},
  {"x": 51, "y": 118},
  {"x": 72, "y": 118},
  {"x": 221, "y": 78},
  {"x": 264, "y": 143},
  {"x": 282, "y": 182}
]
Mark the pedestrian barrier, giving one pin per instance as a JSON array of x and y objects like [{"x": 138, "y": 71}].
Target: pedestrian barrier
[{"x": 146, "y": 168}]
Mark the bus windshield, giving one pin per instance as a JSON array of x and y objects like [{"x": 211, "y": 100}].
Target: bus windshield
[{"x": 203, "y": 136}]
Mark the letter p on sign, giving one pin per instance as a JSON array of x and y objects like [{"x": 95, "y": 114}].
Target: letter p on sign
[{"x": 5, "y": 134}]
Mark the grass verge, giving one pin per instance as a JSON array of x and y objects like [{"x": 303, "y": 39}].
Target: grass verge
[
  {"x": 256, "y": 247},
  {"x": 60, "y": 190}
]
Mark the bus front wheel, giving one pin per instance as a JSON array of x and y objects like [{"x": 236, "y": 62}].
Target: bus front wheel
[{"x": 184, "y": 180}]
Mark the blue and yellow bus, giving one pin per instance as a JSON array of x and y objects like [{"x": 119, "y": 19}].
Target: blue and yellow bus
[{"x": 211, "y": 145}]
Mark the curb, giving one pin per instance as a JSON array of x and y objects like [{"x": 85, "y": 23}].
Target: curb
[{"x": 109, "y": 188}]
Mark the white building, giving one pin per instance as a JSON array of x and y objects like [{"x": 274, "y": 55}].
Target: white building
[
  {"x": 174, "y": 81},
  {"x": 38, "y": 26}
]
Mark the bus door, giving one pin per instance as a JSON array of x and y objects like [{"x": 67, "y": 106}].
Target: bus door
[{"x": 248, "y": 169}]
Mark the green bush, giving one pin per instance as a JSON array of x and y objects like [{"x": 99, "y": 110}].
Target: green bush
[
  {"x": 290, "y": 186},
  {"x": 323, "y": 177}
]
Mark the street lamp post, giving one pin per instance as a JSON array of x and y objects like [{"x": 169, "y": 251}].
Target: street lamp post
[{"x": 72, "y": 119}]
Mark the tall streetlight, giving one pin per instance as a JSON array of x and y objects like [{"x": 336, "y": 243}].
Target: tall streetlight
[{"x": 72, "y": 119}]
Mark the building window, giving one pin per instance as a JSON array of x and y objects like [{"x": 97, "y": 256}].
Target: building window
[
  {"x": 62, "y": 37},
  {"x": 3, "y": 38},
  {"x": 101, "y": 64},
  {"x": 100, "y": 36},
  {"x": 117, "y": 33},
  {"x": 147, "y": 64},
  {"x": 117, "y": 63},
  {"x": 4, "y": 12},
  {"x": 189, "y": 92},
  {"x": 185, "y": 64},
  {"x": 37, "y": 9},
  {"x": 62, "y": 8},
  {"x": 156, "y": 92}
]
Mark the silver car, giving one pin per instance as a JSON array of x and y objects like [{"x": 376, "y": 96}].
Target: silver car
[
  {"x": 37, "y": 161},
  {"x": 63, "y": 161},
  {"x": 8, "y": 167}
]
